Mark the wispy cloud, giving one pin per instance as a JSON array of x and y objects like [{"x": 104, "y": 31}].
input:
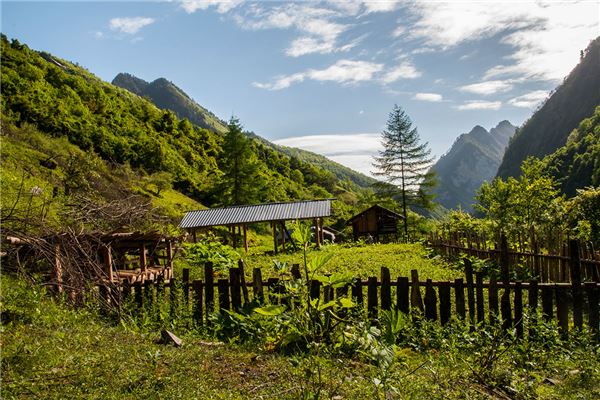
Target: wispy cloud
[
  {"x": 222, "y": 6},
  {"x": 129, "y": 25},
  {"x": 406, "y": 70},
  {"x": 529, "y": 100},
  {"x": 431, "y": 97},
  {"x": 355, "y": 151},
  {"x": 487, "y": 87},
  {"x": 479, "y": 105},
  {"x": 343, "y": 71}
]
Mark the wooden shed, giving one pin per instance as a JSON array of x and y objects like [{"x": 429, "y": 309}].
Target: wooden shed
[{"x": 376, "y": 221}]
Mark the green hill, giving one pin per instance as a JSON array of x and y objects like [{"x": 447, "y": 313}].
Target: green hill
[
  {"x": 56, "y": 100},
  {"x": 548, "y": 129}
]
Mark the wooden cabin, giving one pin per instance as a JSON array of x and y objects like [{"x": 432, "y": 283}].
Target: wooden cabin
[{"x": 377, "y": 222}]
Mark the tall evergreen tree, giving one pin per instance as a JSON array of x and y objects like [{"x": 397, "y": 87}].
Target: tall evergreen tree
[
  {"x": 405, "y": 163},
  {"x": 241, "y": 182}
]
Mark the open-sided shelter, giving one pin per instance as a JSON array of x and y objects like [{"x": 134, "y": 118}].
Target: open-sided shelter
[
  {"x": 276, "y": 213},
  {"x": 375, "y": 221}
]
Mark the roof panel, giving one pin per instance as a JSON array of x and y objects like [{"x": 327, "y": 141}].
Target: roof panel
[{"x": 256, "y": 213}]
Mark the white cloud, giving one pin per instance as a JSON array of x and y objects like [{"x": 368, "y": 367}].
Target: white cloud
[
  {"x": 487, "y": 87},
  {"x": 480, "y": 105},
  {"x": 406, "y": 70},
  {"x": 222, "y": 6},
  {"x": 129, "y": 25},
  {"x": 545, "y": 36},
  {"x": 380, "y": 5},
  {"x": 529, "y": 100},
  {"x": 431, "y": 97},
  {"x": 355, "y": 151},
  {"x": 343, "y": 71}
]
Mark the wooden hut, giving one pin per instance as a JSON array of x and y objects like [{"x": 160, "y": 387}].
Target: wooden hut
[{"x": 376, "y": 222}]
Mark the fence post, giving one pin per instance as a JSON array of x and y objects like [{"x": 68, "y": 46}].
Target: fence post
[
  {"x": 519, "y": 308},
  {"x": 532, "y": 300},
  {"x": 257, "y": 285},
  {"x": 386, "y": 289},
  {"x": 593, "y": 300},
  {"x": 445, "y": 303},
  {"x": 562, "y": 311},
  {"x": 357, "y": 292},
  {"x": 372, "y": 297},
  {"x": 480, "y": 301},
  {"x": 505, "y": 308},
  {"x": 575, "y": 265},
  {"x": 416, "y": 300},
  {"x": 209, "y": 299},
  {"x": 402, "y": 294},
  {"x": 243, "y": 280},
  {"x": 470, "y": 289},
  {"x": 235, "y": 287},
  {"x": 547, "y": 306},
  {"x": 197, "y": 286},
  {"x": 430, "y": 301},
  {"x": 173, "y": 297},
  {"x": 493, "y": 299},
  {"x": 139, "y": 298},
  {"x": 459, "y": 297},
  {"x": 296, "y": 271},
  {"x": 223, "y": 289}
]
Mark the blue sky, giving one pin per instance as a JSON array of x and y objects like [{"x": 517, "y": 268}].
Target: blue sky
[{"x": 324, "y": 75}]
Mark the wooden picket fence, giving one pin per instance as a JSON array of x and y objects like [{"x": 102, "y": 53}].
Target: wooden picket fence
[
  {"x": 545, "y": 267},
  {"x": 484, "y": 302}
]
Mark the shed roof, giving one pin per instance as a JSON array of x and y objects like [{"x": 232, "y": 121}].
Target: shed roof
[
  {"x": 256, "y": 213},
  {"x": 391, "y": 213}
]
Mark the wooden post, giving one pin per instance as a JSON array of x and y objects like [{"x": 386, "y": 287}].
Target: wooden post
[
  {"x": 143, "y": 261},
  {"x": 257, "y": 286},
  {"x": 275, "y": 244},
  {"x": 445, "y": 302},
  {"x": 562, "y": 311},
  {"x": 532, "y": 300},
  {"x": 470, "y": 289},
  {"x": 245, "y": 238},
  {"x": 575, "y": 266},
  {"x": 198, "y": 287},
  {"x": 402, "y": 294},
  {"x": 209, "y": 300},
  {"x": 296, "y": 271},
  {"x": 194, "y": 236},
  {"x": 386, "y": 289},
  {"x": 282, "y": 235},
  {"x": 108, "y": 263},
  {"x": 357, "y": 292},
  {"x": 459, "y": 297},
  {"x": 416, "y": 300},
  {"x": 170, "y": 254},
  {"x": 223, "y": 289},
  {"x": 504, "y": 259},
  {"x": 138, "y": 295},
  {"x": 493, "y": 300},
  {"x": 235, "y": 287},
  {"x": 519, "y": 309},
  {"x": 547, "y": 306},
  {"x": 372, "y": 297},
  {"x": 593, "y": 301},
  {"x": 505, "y": 308},
  {"x": 243, "y": 281},
  {"x": 430, "y": 301},
  {"x": 480, "y": 301}
]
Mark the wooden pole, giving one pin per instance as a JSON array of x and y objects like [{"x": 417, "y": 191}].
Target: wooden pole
[
  {"x": 245, "y": 237},
  {"x": 143, "y": 261},
  {"x": 275, "y": 244}
]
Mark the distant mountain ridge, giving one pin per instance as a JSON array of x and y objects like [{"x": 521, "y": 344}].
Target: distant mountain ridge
[
  {"x": 548, "y": 129},
  {"x": 166, "y": 95},
  {"x": 473, "y": 158}
]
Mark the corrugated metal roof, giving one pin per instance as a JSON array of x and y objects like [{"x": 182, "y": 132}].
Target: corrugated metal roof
[{"x": 256, "y": 213}]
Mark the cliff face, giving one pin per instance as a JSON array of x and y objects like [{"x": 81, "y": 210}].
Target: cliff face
[{"x": 473, "y": 158}]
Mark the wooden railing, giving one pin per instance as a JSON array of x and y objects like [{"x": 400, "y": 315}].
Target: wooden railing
[{"x": 469, "y": 298}]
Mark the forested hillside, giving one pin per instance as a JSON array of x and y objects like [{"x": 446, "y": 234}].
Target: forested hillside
[
  {"x": 473, "y": 159},
  {"x": 576, "y": 165},
  {"x": 58, "y": 99},
  {"x": 167, "y": 96},
  {"x": 549, "y": 127}
]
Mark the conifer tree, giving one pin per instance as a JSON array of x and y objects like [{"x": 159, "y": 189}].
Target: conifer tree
[
  {"x": 405, "y": 164},
  {"x": 241, "y": 181}
]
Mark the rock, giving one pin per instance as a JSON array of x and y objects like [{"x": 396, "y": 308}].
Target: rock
[{"x": 170, "y": 338}]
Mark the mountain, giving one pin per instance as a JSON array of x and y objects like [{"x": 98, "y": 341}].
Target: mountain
[
  {"x": 167, "y": 96},
  {"x": 473, "y": 158},
  {"x": 63, "y": 128},
  {"x": 576, "y": 165},
  {"x": 549, "y": 127}
]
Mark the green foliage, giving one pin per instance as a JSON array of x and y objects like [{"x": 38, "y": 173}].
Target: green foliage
[
  {"x": 208, "y": 249},
  {"x": 405, "y": 164}
]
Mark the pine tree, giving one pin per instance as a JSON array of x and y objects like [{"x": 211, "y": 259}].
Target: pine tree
[
  {"x": 405, "y": 163},
  {"x": 241, "y": 181}
]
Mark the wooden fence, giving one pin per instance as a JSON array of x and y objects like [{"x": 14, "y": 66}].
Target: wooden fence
[
  {"x": 470, "y": 297},
  {"x": 545, "y": 267}
]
